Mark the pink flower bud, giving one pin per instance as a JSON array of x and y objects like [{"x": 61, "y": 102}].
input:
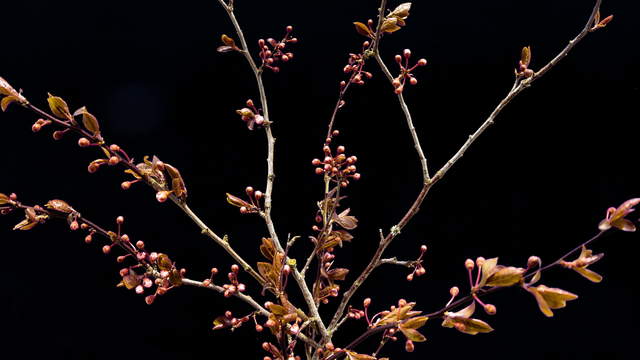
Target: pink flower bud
[
  {"x": 406, "y": 53},
  {"x": 120, "y": 220},
  {"x": 57, "y": 135},
  {"x": 147, "y": 283},
  {"x": 124, "y": 272},
  {"x": 413, "y": 81},
  {"x": 454, "y": 291},
  {"x": 114, "y": 160},
  {"x": 83, "y": 142},
  {"x": 162, "y": 196},
  {"x": 125, "y": 185},
  {"x": 367, "y": 302},
  {"x": 114, "y": 148},
  {"x": 88, "y": 239},
  {"x": 490, "y": 309},
  {"x": 124, "y": 237},
  {"x": 74, "y": 225},
  {"x": 235, "y": 268},
  {"x": 149, "y": 299},
  {"x": 36, "y": 127},
  {"x": 139, "y": 289},
  {"x": 469, "y": 264},
  {"x": 422, "y": 62},
  {"x": 259, "y": 195},
  {"x": 408, "y": 346},
  {"x": 153, "y": 257},
  {"x": 106, "y": 249},
  {"x": 139, "y": 244},
  {"x": 398, "y": 59}
]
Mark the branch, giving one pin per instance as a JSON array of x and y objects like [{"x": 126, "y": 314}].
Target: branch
[
  {"x": 519, "y": 85},
  {"x": 462, "y": 301},
  {"x": 266, "y": 214}
]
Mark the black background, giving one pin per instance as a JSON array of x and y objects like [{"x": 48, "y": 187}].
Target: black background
[{"x": 536, "y": 183}]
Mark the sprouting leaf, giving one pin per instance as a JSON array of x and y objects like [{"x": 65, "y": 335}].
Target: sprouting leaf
[
  {"x": 164, "y": 262},
  {"x": 351, "y": 355},
  {"x": 4, "y": 199},
  {"x": 550, "y": 298},
  {"x": 59, "y": 205},
  {"x": 505, "y": 276},
  {"x": 277, "y": 310},
  {"x": 390, "y": 25},
  {"x": 177, "y": 183},
  {"x": 345, "y": 220},
  {"x": 227, "y": 40},
  {"x": 525, "y": 57},
  {"x": 401, "y": 10},
  {"x": 59, "y": 107},
  {"x": 88, "y": 120},
  {"x": 337, "y": 274},
  {"x": 268, "y": 248},
  {"x": 616, "y": 217},
  {"x": 415, "y": 323},
  {"x": 583, "y": 261},
  {"x": 6, "y": 101},
  {"x": 412, "y": 334},
  {"x": 363, "y": 29},
  {"x": 8, "y": 90},
  {"x": 236, "y": 201},
  {"x": 131, "y": 280}
]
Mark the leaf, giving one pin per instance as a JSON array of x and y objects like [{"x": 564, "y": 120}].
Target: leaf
[
  {"x": 88, "y": 120},
  {"x": 525, "y": 56},
  {"x": 351, "y": 355},
  {"x": 164, "y": 262},
  {"x": 6, "y": 89},
  {"x": 25, "y": 224},
  {"x": 227, "y": 40},
  {"x": 390, "y": 25},
  {"x": 550, "y": 298},
  {"x": 505, "y": 276},
  {"x": 363, "y": 29},
  {"x": 59, "y": 205},
  {"x": 591, "y": 275},
  {"x": 412, "y": 334},
  {"x": 415, "y": 323},
  {"x": 59, "y": 107},
  {"x": 487, "y": 269},
  {"x": 402, "y": 10},
  {"x": 265, "y": 269},
  {"x": 224, "y": 49},
  {"x": 345, "y": 220},
  {"x": 4, "y": 199},
  {"x": 177, "y": 183},
  {"x": 268, "y": 248},
  {"x": 236, "y": 201},
  {"x": 6, "y": 101},
  {"x": 536, "y": 277},
  {"x": 278, "y": 310},
  {"x": 337, "y": 274},
  {"x": 131, "y": 280}
]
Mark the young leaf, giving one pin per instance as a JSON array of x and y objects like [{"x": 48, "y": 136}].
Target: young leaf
[
  {"x": 525, "y": 57},
  {"x": 412, "y": 334},
  {"x": 6, "y": 101},
  {"x": 59, "y": 107},
  {"x": 4, "y": 199},
  {"x": 88, "y": 120},
  {"x": 363, "y": 29}
]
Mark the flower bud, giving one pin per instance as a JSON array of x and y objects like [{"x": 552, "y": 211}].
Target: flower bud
[
  {"x": 490, "y": 309},
  {"x": 533, "y": 262},
  {"x": 83, "y": 142},
  {"x": 106, "y": 249},
  {"x": 114, "y": 160},
  {"x": 120, "y": 220},
  {"x": 469, "y": 264},
  {"x": 454, "y": 291},
  {"x": 408, "y": 346}
]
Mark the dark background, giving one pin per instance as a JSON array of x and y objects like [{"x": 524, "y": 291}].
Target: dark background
[{"x": 536, "y": 183}]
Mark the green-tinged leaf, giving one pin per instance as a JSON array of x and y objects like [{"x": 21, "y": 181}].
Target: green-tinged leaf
[
  {"x": 351, "y": 355},
  {"x": 131, "y": 280},
  {"x": 402, "y": 10},
  {"x": 542, "y": 304},
  {"x": 6, "y": 101},
  {"x": 175, "y": 278},
  {"x": 345, "y": 220},
  {"x": 363, "y": 29},
  {"x": 390, "y": 25},
  {"x": 4, "y": 199},
  {"x": 265, "y": 269},
  {"x": 236, "y": 201},
  {"x": 525, "y": 56},
  {"x": 59, "y": 107},
  {"x": 466, "y": 312},
  {"x": 277, "y": 310},
  {"x": 59, "y": 205},
  {"x": 25, "y": 224},
  {"x": 227, "y": 40},
  {"x": 550, "y": 298},
  {"x": 505, "y": 276},
  {"x": 412, "y": 334},
  {"x": 88, "y": 120},
  {"x": 415, "y": 323},
  {"x": 488, "y": 268},
  {"x": 591, "y": 275},
  {"x": 536, "y": 277},
  {"x": 6, "y": 89},
  {"x": 164, "y": 262}
]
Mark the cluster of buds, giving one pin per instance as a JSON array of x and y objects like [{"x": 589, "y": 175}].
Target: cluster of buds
[
  {"x": 523, "y": 65},
  {"x": 7, "y": 203},
  {"x": 273, "y": 51},
  {"x": 228, "y": 321},
  {"x": 235, "y": 286},
  {"x": 355, "y": 67},
  {"x": 406, "y": 71},
  {"x": 113, "y": 156},
  {"x": 340, "y": 168},
  {"x": 276, "y": 354},
  {"x": 418, "y": 269},
  {"x": 250, "y": 115},
  {"x": 247, "y": 207}
]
